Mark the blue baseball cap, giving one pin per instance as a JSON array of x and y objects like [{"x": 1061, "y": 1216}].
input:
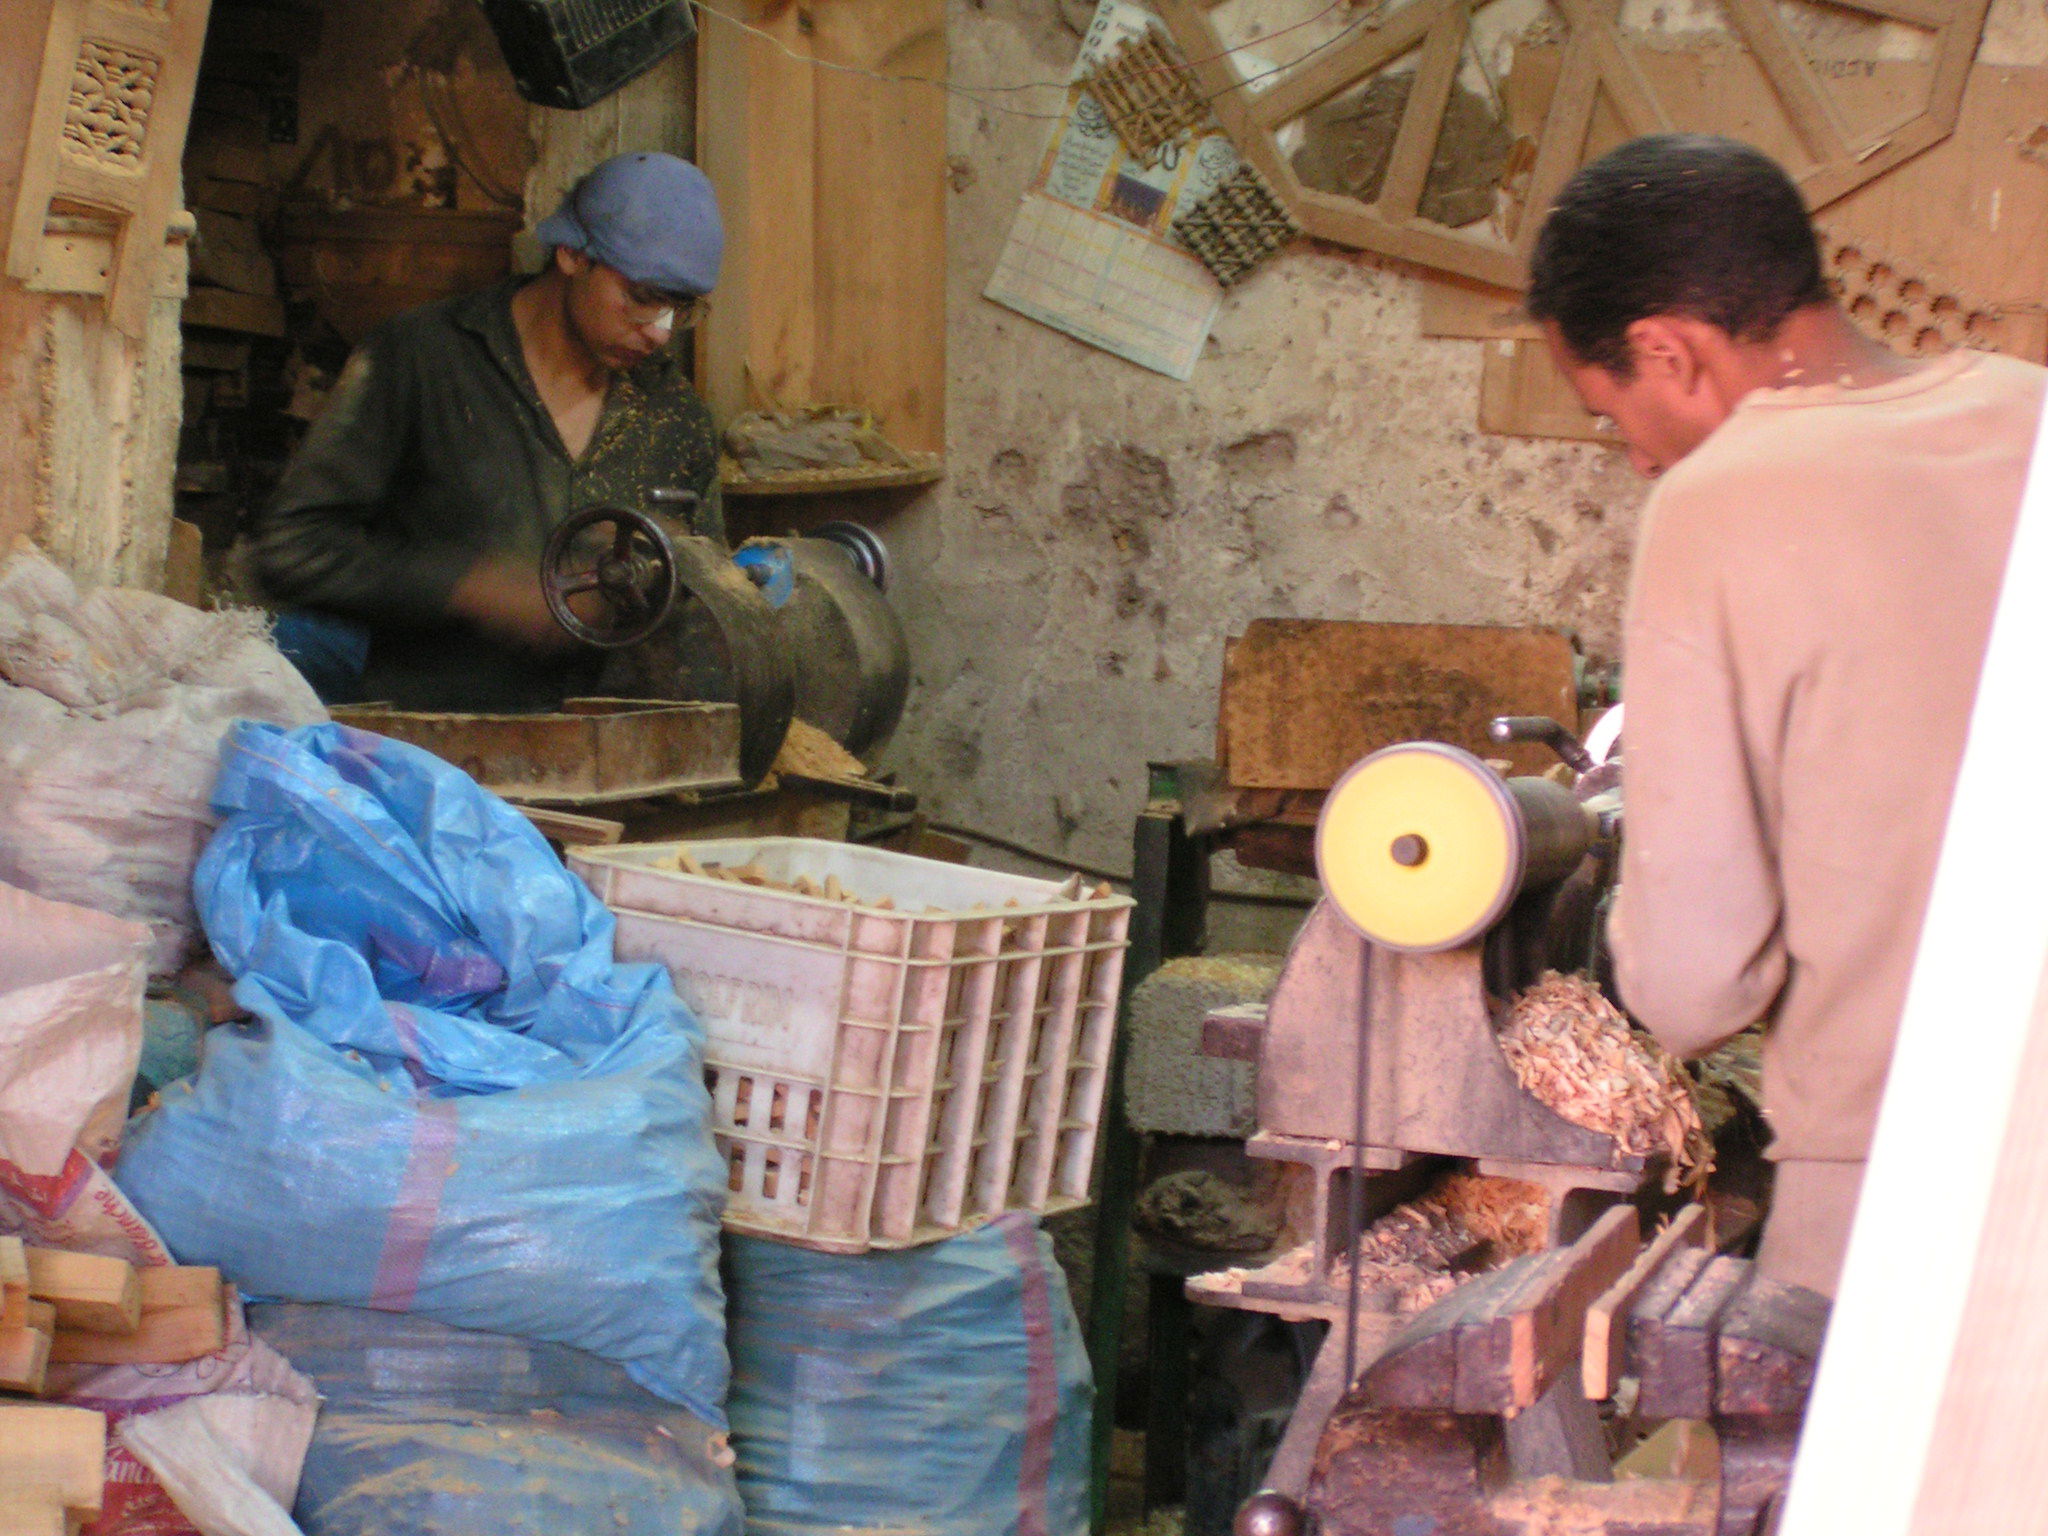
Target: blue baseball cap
[{"x": 649, "y": 216}]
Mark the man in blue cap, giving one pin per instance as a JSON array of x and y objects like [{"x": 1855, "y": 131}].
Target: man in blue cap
[{"x": 405, "y": 536}]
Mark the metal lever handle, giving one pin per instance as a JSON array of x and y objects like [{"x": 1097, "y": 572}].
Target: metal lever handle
[{"x": 1570, "y": 751}]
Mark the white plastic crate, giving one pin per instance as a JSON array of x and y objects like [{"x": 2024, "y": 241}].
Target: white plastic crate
[{"x": 883, "y": 1076}]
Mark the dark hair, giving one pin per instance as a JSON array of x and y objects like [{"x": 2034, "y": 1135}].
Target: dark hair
[{"x": 1674, "y": 224}]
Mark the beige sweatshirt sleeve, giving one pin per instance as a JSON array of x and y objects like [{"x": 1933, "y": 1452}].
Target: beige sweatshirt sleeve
[{"x": 1697, "y": 930}]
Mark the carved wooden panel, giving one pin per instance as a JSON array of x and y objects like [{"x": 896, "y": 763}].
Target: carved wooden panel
[
  {"x": 112, "y": 103},
  {"x": 1598, "y": 72}
]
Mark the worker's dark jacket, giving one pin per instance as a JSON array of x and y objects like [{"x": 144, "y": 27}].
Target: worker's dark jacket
[{"x": 434, "y": 451}]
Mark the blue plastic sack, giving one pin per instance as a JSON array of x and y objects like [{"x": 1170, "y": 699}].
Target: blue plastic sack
[
  {"x": 935, "y": 1391},
  {"x": 451, "y": 1101},
  {"x": 436, "y": 1431}
]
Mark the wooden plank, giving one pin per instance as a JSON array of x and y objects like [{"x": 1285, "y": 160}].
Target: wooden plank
[
  {"x": 574, "y": 831},
  {"x": 1304, "y": 699},
  {"x": 1676, "y": 1359},
  {"x": 1486, "y": 1335},
  {"x": 833, "y": 186},
  {"x": 1419, "y": 1367},
  {"x": 1601, "y": 1357},
  {"x": 1466, "y": 313},
  {"x": 1324, "y": 75},
  {"x": 13, "y": 1283},
  {"x": 1522, "y": 394},
  {"x": 24, "y": 1357},
  {"x": 1561, "y": 145},
  {"x": 1422, "y": 119},
  {"x": 1549, "y": 1327},
  {"x": 60, "y": 1448},
  {"x": 90, "y": 1291},
  {"x": 1655, "y": 1300}
]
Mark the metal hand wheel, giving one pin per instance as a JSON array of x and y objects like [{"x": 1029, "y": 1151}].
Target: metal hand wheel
[{"x": 632, "y": 569}]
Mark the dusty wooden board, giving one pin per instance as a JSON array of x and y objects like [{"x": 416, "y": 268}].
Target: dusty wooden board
[
  {"x": 833, "y": 188},
  {"x": 1304, "y": 699},
  {"x": 1522, "y": 394}
]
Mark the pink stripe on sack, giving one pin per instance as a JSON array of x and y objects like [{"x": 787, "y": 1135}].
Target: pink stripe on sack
[
  {"x": 1041, "y": 1379},
  {"x": 413, "y": 1219}
]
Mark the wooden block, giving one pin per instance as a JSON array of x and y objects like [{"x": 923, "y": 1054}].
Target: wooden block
[
  {"x": 1676, "y": 1361},
  {"x": 13, "y": 1283},
  {"x": 574, "y": 831},
  {"x": 44, "y": 1445},
  {"x": 43, "y": 1316},
  {"x": 90, "y": 1291},
  {"x": 24, "y": 1356},
  {"x": 1601, "y": 1359},
  {"x": 185, "y": 564},
  {"x": 1452, "y": 309},
  {"x": 32, "y": 1512},
  {"x": 1419, "y": 1367},
  {"x": 178, "y": 1285},
  {"x": 164, "y": 1337},
  {"x": 1549, "y": 1328}
]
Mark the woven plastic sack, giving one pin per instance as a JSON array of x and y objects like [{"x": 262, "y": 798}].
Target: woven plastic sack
[
  {"x": 436, "y": 1431},
  {"x": 450, "y": 1101},
  {"x": 112, "y": 708},
  {"x": 935, "y": 1391}
]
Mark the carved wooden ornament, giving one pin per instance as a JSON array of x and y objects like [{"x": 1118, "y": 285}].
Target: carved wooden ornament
[
  {"x": 1596, "y": 61},
  {"x": 106, "y": 133}
]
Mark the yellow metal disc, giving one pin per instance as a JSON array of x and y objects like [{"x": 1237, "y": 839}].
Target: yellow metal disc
[{"x": 1419, "y": 846}]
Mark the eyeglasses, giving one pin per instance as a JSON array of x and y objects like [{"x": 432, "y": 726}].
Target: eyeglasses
[{"x": 646, "y": 306}]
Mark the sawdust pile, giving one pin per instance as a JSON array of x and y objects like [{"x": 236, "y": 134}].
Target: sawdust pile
[
  {"x": 810, "y": 753},
  {"x": 1463, "y": 1225},
  {"x": 1572, "y": 1049}
]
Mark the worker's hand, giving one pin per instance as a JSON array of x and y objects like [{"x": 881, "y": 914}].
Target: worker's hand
[{"x": 503, "y": 598}]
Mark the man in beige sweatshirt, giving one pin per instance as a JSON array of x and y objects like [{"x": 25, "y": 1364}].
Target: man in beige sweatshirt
[{"x": 1810, "y": 603}]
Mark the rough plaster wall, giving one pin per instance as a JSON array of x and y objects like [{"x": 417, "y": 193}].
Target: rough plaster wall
[{"x": 1102, "y": 529}]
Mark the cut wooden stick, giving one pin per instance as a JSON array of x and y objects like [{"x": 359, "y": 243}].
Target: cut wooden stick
[
  {"x": 90, "y": 1291},
  {"x": 178, "y": 1285},
  {"x": 63, "y": 1450},
  {"x": 1607, "y": 1319},
  {"x": 24, "y": 1358},
  {"x": 165, "y": 1337},
  {"x": 13, "y": 1283},
  {"x": 1549, "y": 1328}
]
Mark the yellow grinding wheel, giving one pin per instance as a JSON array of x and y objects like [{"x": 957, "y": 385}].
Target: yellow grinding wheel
[{"x": 1420, "y": 847}]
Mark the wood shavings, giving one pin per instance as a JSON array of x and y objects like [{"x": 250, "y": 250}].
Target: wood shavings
[
  {"x": 1147, "y": 94},
  {"x": 1462, "y": 1226},
  {"x": 1572, "y": 1049},
  {"x": 1237, "y": 226}
]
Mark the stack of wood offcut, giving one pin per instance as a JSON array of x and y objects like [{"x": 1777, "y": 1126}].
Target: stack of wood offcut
[
  {"x": 1572, "y": 1048},
  {"x": 63, "y": 1308}
]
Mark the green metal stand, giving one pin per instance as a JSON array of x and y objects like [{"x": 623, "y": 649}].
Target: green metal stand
[{"x": 1170, "y": 883}]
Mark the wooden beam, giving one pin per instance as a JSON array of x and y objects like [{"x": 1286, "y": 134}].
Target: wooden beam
[
  {"x": 89, "y": 1291},
  {"x": 1422, "y": 120},
  {"x": 1606, "y": 1320},
  {"x": 24, "y": 1356},
  {"x": 1627, "y": 86},
  {"x": 168, "y": 1336},
  {"x": 1323, "y": 76},
  {"x": 1926, "y": 1412},
  {"x": 13, "y": 1283},
  {"x": 1562, "y": 143},
  {"x": 1805, "y": 99}
]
